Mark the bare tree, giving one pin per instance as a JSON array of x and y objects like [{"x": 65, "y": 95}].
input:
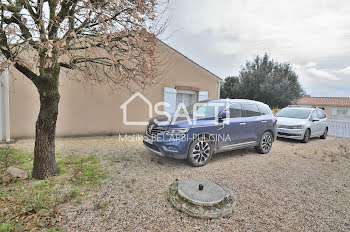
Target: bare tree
[{"x": 111, "y": 41}]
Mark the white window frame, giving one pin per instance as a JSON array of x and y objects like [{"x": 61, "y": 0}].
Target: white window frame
[{"x": 188, "y": 92}]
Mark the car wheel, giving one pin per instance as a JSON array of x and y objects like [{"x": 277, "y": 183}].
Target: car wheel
[
  {"x": 324, "y": 136},
  {"x": 200, "y": 152},
  {"x": 265, "y": 143},
  {"x": 307, "y": 136}
]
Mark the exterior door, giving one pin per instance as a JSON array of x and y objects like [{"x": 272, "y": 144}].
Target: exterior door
[
  {"x": 323, "y": 120},
  {"x": 266, "y": 120},
  {"x": 253, "y": 121},
  {"x": 235, "y": 131},
  {"x": 316, "y": 126}
]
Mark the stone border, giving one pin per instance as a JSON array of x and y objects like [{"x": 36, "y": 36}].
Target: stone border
[{"x": 222, "y": 209}]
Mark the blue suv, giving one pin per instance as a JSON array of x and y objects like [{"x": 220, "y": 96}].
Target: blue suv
[{"x": 210, "y": 127}]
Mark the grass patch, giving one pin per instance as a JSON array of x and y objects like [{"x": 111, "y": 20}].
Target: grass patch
[
  {"x": 31, "y": 205},
  {"x": 84, "y": 169},
  {"x": 10, "y": 156}
]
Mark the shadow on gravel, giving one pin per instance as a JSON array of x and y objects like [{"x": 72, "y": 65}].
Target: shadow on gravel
[
  {"x": 166, "y": 161},
  {"x": 297, "y": 141},
  {"x": 218, "y": 157}
]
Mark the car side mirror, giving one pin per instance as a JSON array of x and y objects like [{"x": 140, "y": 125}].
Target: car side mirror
[
  {"x": 223, "y": 115},
  {"x": 315, "y": 120}
]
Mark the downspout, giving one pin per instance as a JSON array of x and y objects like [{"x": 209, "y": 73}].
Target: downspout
[
  {"x": 4, "y": 106},
  {"x": 219, "y": 88},
  {"x": 7, "y": 106},
  {"x": 1, "y": 118}
]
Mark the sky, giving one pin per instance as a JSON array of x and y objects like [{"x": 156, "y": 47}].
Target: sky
[{"x": 312, "y": 35}]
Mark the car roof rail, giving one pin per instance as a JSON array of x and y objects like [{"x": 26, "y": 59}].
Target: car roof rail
[{"x": 302, "y": 106}]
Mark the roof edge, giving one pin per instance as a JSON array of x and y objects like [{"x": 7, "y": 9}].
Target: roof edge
[
  {"x": 325, "y": 97},
  {"x": 217, "y": 77},
  {"x": 325, "y": 101}
]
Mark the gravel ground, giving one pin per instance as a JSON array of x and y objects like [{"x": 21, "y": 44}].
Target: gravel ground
[{"x": 296, "y": 187}]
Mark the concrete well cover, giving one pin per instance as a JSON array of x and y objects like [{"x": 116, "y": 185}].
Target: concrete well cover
[
  {"x": 211, "y": 193},
  {"x": 209, "y": 200}
]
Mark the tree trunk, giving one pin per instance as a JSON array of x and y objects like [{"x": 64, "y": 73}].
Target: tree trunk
[{"x": 44, "y": 151}]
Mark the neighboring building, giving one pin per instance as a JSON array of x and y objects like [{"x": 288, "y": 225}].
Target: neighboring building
[
  {"x": 87, "y": 109},
  {"x": 335, "y": 107}
]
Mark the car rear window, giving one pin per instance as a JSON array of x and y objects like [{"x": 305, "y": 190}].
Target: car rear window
[
  {"x": 251, "y": 110},
  {"x": 264, "y": 110},
  {"x": 314, "y": 115},
  {"x": 321, "y": 114},
  {"x": 294, "y": 113}
]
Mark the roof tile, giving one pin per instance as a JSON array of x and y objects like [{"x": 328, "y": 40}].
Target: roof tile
[{"x": 325, "y": 101}]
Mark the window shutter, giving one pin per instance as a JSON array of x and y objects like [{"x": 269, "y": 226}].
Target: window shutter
[
  {"x": 202, "y": 95},
  {"x": 170, "y": 98}
]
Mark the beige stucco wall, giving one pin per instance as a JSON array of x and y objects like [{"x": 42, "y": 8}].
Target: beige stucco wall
[{"x": 87, "y": 109}]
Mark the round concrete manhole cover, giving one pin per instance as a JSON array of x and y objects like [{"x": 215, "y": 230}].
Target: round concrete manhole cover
[
  {"x": 201, "y": 198},
  {"x": 201, "y": 192}
]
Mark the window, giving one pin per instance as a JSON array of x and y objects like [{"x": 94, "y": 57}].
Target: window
[
  {"x": 186, "y": 97},
  {"x": 251, "y": 110},
  {"x": 321, "y": 114},
  {"x": 293, "y": 113},
  {"x": 264, "y": 110},
  {"x": 340, "y": 112},
  {"x": 314, "y": 115},
  {"x": 202, "y": 110},
  {"x": 235, "y": 111}
]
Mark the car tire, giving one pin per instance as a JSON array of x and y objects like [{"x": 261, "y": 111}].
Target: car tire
[
  {"x": 307, "y": 136},
  {"x": 265, "y": 143},
  {"x": 324, "y": 136},
  {"x": 200, "y": 152}
]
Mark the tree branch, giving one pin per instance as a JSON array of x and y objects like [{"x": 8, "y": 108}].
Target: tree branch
[
  {"x": 65, "y": 65},
  {"x": 62, "y": 14},
  {"x": 6, "y": 51},
  {"x": 29, "y": 8},
  {"x": 28, "y": 73},
  {"x": 52, "y": 7},
  {"x": 15, "y": 18}
]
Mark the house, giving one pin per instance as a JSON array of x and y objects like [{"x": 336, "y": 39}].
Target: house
[
  {"x": 87, "y": 109},
  {"x": 335, "y": 107}
]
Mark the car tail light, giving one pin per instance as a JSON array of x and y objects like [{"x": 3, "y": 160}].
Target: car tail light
[{"x": 275, "y": 121}]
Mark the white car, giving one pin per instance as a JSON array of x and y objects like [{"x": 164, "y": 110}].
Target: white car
[{"x": 302, "y": 123}]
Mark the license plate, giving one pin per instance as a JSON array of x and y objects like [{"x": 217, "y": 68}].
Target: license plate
[{"x": 147, "y": 140}]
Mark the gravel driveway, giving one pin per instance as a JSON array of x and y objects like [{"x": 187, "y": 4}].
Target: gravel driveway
[{"x": 296, "y": 187}]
